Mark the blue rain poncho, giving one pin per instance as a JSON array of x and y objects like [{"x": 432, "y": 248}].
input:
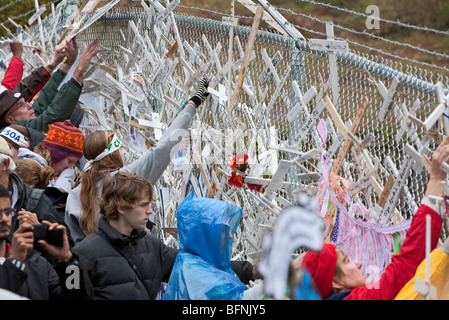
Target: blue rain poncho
[{"x": 202, "y": 269}]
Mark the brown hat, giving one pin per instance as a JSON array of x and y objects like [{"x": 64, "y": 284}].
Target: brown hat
[
  {"x": 7, "y": 99},
  {"x": 4, "y": 147}
]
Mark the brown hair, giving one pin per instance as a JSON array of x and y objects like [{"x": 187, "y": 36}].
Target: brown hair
[
  {"x": 124, "y": 190},
  {"x": 94, "y": 144},
  {"x": 33, "y": 174},
  {"x": 338, "y": 271},
  {"x": 41, "y": 150}
]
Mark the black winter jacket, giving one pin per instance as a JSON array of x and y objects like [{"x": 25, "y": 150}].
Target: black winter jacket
[
  {"x": 106, "y": 274},
  {"x": 110, "y": 275},
  {"x": 34, "y": 200},
  {"x": 38, "y": 281}
]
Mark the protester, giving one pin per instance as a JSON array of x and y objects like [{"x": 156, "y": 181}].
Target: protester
[
  {"x": 23, "y": 270},
  {"x": 102, "y": 149},
  {"x": 122, "y": 260},
  {"x": 33, "y": 174},
  {"x": 62, "y": 147},
  {"x": 337, "y": 276},
  {"x": 21, "y": 137},
  {"x": 53, "y": 105},
  {"x": 24, "y": 197},
  {"x": 202, "y": 270},
  {"x": 439, "y": 276}
]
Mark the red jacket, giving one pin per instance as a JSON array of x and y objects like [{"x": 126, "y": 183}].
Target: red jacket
[
  {"x": 13, "y": 74},
  {"x": 404, "y": 264}
]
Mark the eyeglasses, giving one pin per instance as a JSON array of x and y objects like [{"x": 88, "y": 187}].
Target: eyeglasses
[{"x": 7, "y": 212}]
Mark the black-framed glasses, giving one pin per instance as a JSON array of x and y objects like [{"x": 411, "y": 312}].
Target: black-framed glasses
[{"x": 7, "y": 212}]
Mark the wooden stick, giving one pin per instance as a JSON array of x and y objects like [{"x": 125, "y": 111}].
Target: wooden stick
[
  {"x": 73, "y": 20},
  {"x": 247, "y": 55},
  {"x": 383, "y": 197},
  {"x": 348, "y": 141},
  {"x": 250, "y": 6}
]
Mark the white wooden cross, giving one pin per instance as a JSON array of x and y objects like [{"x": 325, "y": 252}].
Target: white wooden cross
[
  {"x": 337, "y": 139},
  {"x": 347, "y": 140},
  {"x": 270, "y": 69},
  {"x": 388, "y": 96},
  {"x": 194, "y": 53},
  {"x": 223, "y": 73},
  {"x": 167, "y": 11},
  {"x": 331, "y": 46},
  {"x": 397, "y": 189},
  {"x": 406, "y": 126},
  {"x": 440, "y": 110},
  {"x": 424, "y": 287},
  {"x": 301, "y": 101},
  {"x": 367, "y": 168},
  {"x": 277, "y": 179},
  {"x": 262, "y": 112},
  {"x": 37, "y": 15}
]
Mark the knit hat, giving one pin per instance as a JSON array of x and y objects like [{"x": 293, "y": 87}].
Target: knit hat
[
  {"x": 4, "y": 147},
  {"x": 321, "y": 266},
  {"x": 7, "y": 99},
  {"x": 63, "y": 140}
]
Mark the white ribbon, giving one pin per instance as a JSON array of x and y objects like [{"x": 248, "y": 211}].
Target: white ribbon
[{"x": 113, "y": 146}]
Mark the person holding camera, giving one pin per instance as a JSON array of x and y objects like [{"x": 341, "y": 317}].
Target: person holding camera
[
  {"x": 25, "y": 198},
  {"x": 25, "y": 271}
]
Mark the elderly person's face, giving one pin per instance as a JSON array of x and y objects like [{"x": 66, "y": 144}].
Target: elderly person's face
[{"x": 22, "y": 111}]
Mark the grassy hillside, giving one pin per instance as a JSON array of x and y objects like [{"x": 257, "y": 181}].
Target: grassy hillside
[{"x": 431, "y": 13}]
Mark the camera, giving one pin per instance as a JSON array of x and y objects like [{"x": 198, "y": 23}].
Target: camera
[{"x": 54, "y": 237}]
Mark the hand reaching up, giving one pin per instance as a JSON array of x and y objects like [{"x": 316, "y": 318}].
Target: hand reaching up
[{"x": 85, "y": 61}]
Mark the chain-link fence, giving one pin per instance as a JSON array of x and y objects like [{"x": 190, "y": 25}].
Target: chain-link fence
[{"x": 265, "y": 102}]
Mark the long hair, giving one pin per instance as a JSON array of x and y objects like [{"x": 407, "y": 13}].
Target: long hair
[
  {"x": 94, "y": 144},
  {"x": 33, "y": 174},
  {"x": 43, "y": 152}
]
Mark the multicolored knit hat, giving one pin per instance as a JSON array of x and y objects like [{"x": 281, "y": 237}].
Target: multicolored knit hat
[{"x": 63, "y": 140}]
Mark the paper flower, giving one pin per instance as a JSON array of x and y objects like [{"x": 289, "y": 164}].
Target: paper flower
[
  {"x": 256, "y": 187},
  {"x": 235, "y": 180},
  {"x": 239, "y": 162}
]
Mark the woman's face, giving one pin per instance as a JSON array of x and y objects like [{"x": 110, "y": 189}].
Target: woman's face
[
  {"x": 351, "y": 273},
  {"x": 65, "y": 163}
]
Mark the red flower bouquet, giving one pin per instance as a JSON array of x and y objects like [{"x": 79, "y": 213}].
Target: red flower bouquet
[{"x": 236, "y": 180}]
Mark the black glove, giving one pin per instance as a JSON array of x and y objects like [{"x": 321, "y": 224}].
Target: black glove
[{"x": 201, "y": 92}]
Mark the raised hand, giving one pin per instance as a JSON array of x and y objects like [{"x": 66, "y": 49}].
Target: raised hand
[
  {"x": 22, "y": 242},
  {"x": 85, "y": 61},
  {"x": 201, "y": 92},
  {"x": 16, "y": 49}
]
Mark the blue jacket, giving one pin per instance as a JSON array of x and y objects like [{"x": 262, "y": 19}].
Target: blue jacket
[{"x": 202, "y": 269}]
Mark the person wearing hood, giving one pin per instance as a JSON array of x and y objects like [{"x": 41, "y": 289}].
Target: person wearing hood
[
  {"x": 122, "y": 260},
  {"x": 202, "y": 269}
]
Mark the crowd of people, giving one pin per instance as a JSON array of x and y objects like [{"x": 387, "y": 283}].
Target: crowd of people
[{"x": 95, "y": 219}]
